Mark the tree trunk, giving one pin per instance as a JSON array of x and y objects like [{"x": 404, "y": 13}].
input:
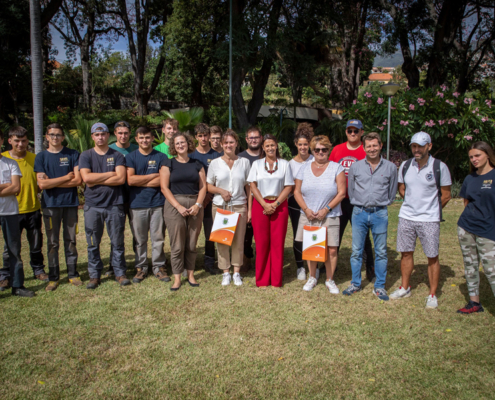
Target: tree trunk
[
  {"x": 409, "y": 67},
  {"x": 86, "y": 76},
  {"x": 36, "y": 73}
]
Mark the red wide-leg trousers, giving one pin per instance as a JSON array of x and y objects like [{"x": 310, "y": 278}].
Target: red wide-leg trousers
[{"x": 269, "y": 235}]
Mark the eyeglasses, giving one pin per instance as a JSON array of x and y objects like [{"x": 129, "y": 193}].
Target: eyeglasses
[
  {"x": 324, "y": 150},
  {"x": 55, "y": 136},
  {"x": 253, "y": 138},
  {"x": 352, "y": 131}
]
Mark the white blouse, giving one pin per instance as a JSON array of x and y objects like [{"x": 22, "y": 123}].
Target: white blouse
[
  {"x": 271, "y": 184},
  {"x": 233, "y": 180}
]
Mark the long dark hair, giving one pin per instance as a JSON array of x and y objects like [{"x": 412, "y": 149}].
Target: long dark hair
[
  {"x": 265, "y": 138},
  {"x": 487, "y": 149}
]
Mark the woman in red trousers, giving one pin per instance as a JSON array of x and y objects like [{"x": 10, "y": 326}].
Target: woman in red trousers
[{"x": 271, "y": 182}]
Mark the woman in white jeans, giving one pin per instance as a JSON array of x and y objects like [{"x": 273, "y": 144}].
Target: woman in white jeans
[{"x": 227, "y": 180}]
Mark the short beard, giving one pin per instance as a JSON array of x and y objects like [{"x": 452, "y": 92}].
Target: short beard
[{"x": 253, "y": 147}]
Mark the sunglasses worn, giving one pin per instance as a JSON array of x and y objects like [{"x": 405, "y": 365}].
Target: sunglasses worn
[
  {"x": 325, "y": 150},
  {"x": 352, "y": 131}
]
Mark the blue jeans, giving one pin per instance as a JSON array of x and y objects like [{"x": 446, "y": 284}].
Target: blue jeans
[{"x": 363, "y": 219}]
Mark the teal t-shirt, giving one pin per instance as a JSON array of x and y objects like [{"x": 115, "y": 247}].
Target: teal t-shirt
[{"x": 132, "y": 147}]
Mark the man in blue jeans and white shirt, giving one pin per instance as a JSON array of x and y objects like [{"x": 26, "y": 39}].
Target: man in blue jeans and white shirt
[{"x": 372, "y": 187}]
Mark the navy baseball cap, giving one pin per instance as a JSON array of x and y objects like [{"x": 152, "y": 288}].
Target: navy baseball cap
[
  {"x": 99, "y": 127},
  {"x": 355, "y": 123}
]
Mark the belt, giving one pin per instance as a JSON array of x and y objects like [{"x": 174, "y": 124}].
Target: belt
[
  {"x": 271, "y": 198},
  {"x": 371, "y": 209}
]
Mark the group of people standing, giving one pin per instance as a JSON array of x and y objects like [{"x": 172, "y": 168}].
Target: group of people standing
[{"x": 179, "y": 187}]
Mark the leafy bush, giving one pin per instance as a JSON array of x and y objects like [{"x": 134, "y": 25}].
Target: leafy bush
[
  {"x": 187, "y": 119},
  {"x": 80, "y": 138},
  {"x": 455, "y": 189}
]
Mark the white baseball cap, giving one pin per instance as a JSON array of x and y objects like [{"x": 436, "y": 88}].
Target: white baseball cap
[{"x": 421, "y": 138}]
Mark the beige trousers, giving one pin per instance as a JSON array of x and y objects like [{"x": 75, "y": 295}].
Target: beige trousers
[
  {"x": 183, "y": 233},
  {"x": 224, "y": 258}
]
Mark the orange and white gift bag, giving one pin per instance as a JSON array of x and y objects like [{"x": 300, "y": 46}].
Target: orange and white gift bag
[
  {"x": 224, "y": 227},
  {"x": 314, "y": 243}
]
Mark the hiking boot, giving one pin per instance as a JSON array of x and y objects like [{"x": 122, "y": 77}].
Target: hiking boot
[
  {"x": 139, "y": 276},
  {"x": 471, "y": 308},
  {"x": 93, "y": 283},
  {"x": 162, "y": 275},
  {"x": 42, "y": 277},
  {"x": 53, "y": 285},
  {"x": 109, "y": 271},
  {"x": 122, "y": 280},
  {"x": 76, "y": 281},
  {"x": 22, "y": 292},
  {"x": 4, "y": 285}
]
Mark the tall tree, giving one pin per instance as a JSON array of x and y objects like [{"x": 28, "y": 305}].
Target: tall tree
[
  {"x": 142, "y": 23},
  {"x": 36, "y": 73}
]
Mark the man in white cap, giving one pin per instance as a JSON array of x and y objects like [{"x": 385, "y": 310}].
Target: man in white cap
[
  {"x": 424, "y": 183},
  {"x": 103, "y": 170}
]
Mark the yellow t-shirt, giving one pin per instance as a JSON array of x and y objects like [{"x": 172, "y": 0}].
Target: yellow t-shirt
[{"x": 28, "y": 197}]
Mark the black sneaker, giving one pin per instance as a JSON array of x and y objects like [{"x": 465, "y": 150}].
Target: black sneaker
[
  {"x": 471, "y": 307},
  {"x": 212, "y": 270},
  {"x": 22, "y": 292}
]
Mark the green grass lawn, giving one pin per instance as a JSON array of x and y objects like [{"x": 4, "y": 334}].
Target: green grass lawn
[{"x": 144, "y": 341}]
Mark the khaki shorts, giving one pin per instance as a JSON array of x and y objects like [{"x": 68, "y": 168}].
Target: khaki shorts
[{"x": 332, "y": 224}]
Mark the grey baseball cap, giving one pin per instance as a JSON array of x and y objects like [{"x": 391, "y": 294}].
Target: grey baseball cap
[
  {"x": 421, "y": 138},
  {"x": 99, "y": 127}
]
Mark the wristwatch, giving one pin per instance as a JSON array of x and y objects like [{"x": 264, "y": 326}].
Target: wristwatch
[
  {"x": 199, "y": 205},
  {"x": 278, "y": 203},
  {"x": 328, "y": 208}
]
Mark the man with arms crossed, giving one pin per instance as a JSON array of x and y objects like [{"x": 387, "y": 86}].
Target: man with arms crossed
[
  {"x": 58, "y": 176},
  {"x": 146, "y": 205},
  {"x": 424, "y": 183},
  {"x": 103, "y": 171},
  {"x": 10, "y": 186},
  {"x": 169, "y": 128},
  {"x": 205, "y": 154},
  {"x": 122, "y": 131},
  {"x": 372, "y": 187},
  {"x": 29, "y": 205},
  {"x": 347, "y": 154},
  {"x": 254, "y": 140}
]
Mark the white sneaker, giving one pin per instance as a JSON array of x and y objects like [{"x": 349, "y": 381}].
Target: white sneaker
[
  {"x": 301, "y": 274},
  {"x": 401, "y": 293},
  {"x": 431, "y": 301},
  {"x": 226, "y": 279},
  {"x": 317, "y": 275},
  {"x": 332, "y": 287},
  {"x": 310, "y": 284},
  {"x": 237, "y": 279}
]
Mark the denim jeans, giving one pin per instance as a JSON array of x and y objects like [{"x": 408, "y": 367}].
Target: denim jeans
[
  {"x": 363, "y": 219},
  {"x": 12, "y": 237}
]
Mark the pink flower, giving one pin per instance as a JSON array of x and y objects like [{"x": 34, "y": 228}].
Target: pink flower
[
  {"x": 421, "y": 101},
  {"x": 484, "y": 119},
  {"x": 407, "y": 87},
  {"x": 405, "y": 123},
  {"x": 385, "y": 122},
  {"x": 450, "y": 135},
  {"x": 468, "y": 137},
  {"x": 380, "y": 100},
  {"x": 441, "y": 122},
  {"x": 444, "y": 88},
  {"x": 381, "y": 128},
  {"x": 476, "y": 131},
  {"x": 452, "y": 120},
  {"x": 450, "y": 102},
  {"x": 488, "y": 103},
  {"x": 456, "y": 94},
  {"x": 411, "y": 107},
  {"x": 430, "y": 124},
  {"x": 354, "y": 102},
  {"x": 368, "y": 95},
  {"x": 468, "y": 100},
  {"x": 440, "y": 94},
  {"x": 392, "y": 108}
]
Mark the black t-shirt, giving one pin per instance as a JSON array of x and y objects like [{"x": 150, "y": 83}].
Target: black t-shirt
[
  {"x": 206, "y": 158},
  {"x": 184, "y": 177},
  {"x": 478, "y": 217},
  {"x": 102, "y": 195},
  {"x": 251, "y": 158},
  {"x": 56, "y": 165},
  {"x": 145, "y": 197}
]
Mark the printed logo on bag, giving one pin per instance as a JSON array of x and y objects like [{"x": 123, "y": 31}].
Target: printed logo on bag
[
  {"x": 225, "y": 221},
  {"x": 64, "y": 161},
  {"x": 429, "y": 176},
  {"x": 110, "y": 161},
  {"x": 315, "y": 238},
  {"x": 487, "y": 184}
]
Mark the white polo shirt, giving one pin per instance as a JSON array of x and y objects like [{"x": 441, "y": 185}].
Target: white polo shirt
[
  {"x": 421, "y": 201},
  {"x": 8, "y": 204}
]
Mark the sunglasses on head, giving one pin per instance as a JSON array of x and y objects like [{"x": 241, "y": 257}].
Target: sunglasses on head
[
  {"x": 355, "y": 131},
  {"x": 324, "y": 150}
]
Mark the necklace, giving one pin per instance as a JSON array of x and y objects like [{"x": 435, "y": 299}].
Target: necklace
[
  {"x": 275, "y": 168},
  {"x": 318, "y": 166}
]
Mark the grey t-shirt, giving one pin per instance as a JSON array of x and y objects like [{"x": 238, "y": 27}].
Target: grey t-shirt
[{"x": 319, "y": 191}]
